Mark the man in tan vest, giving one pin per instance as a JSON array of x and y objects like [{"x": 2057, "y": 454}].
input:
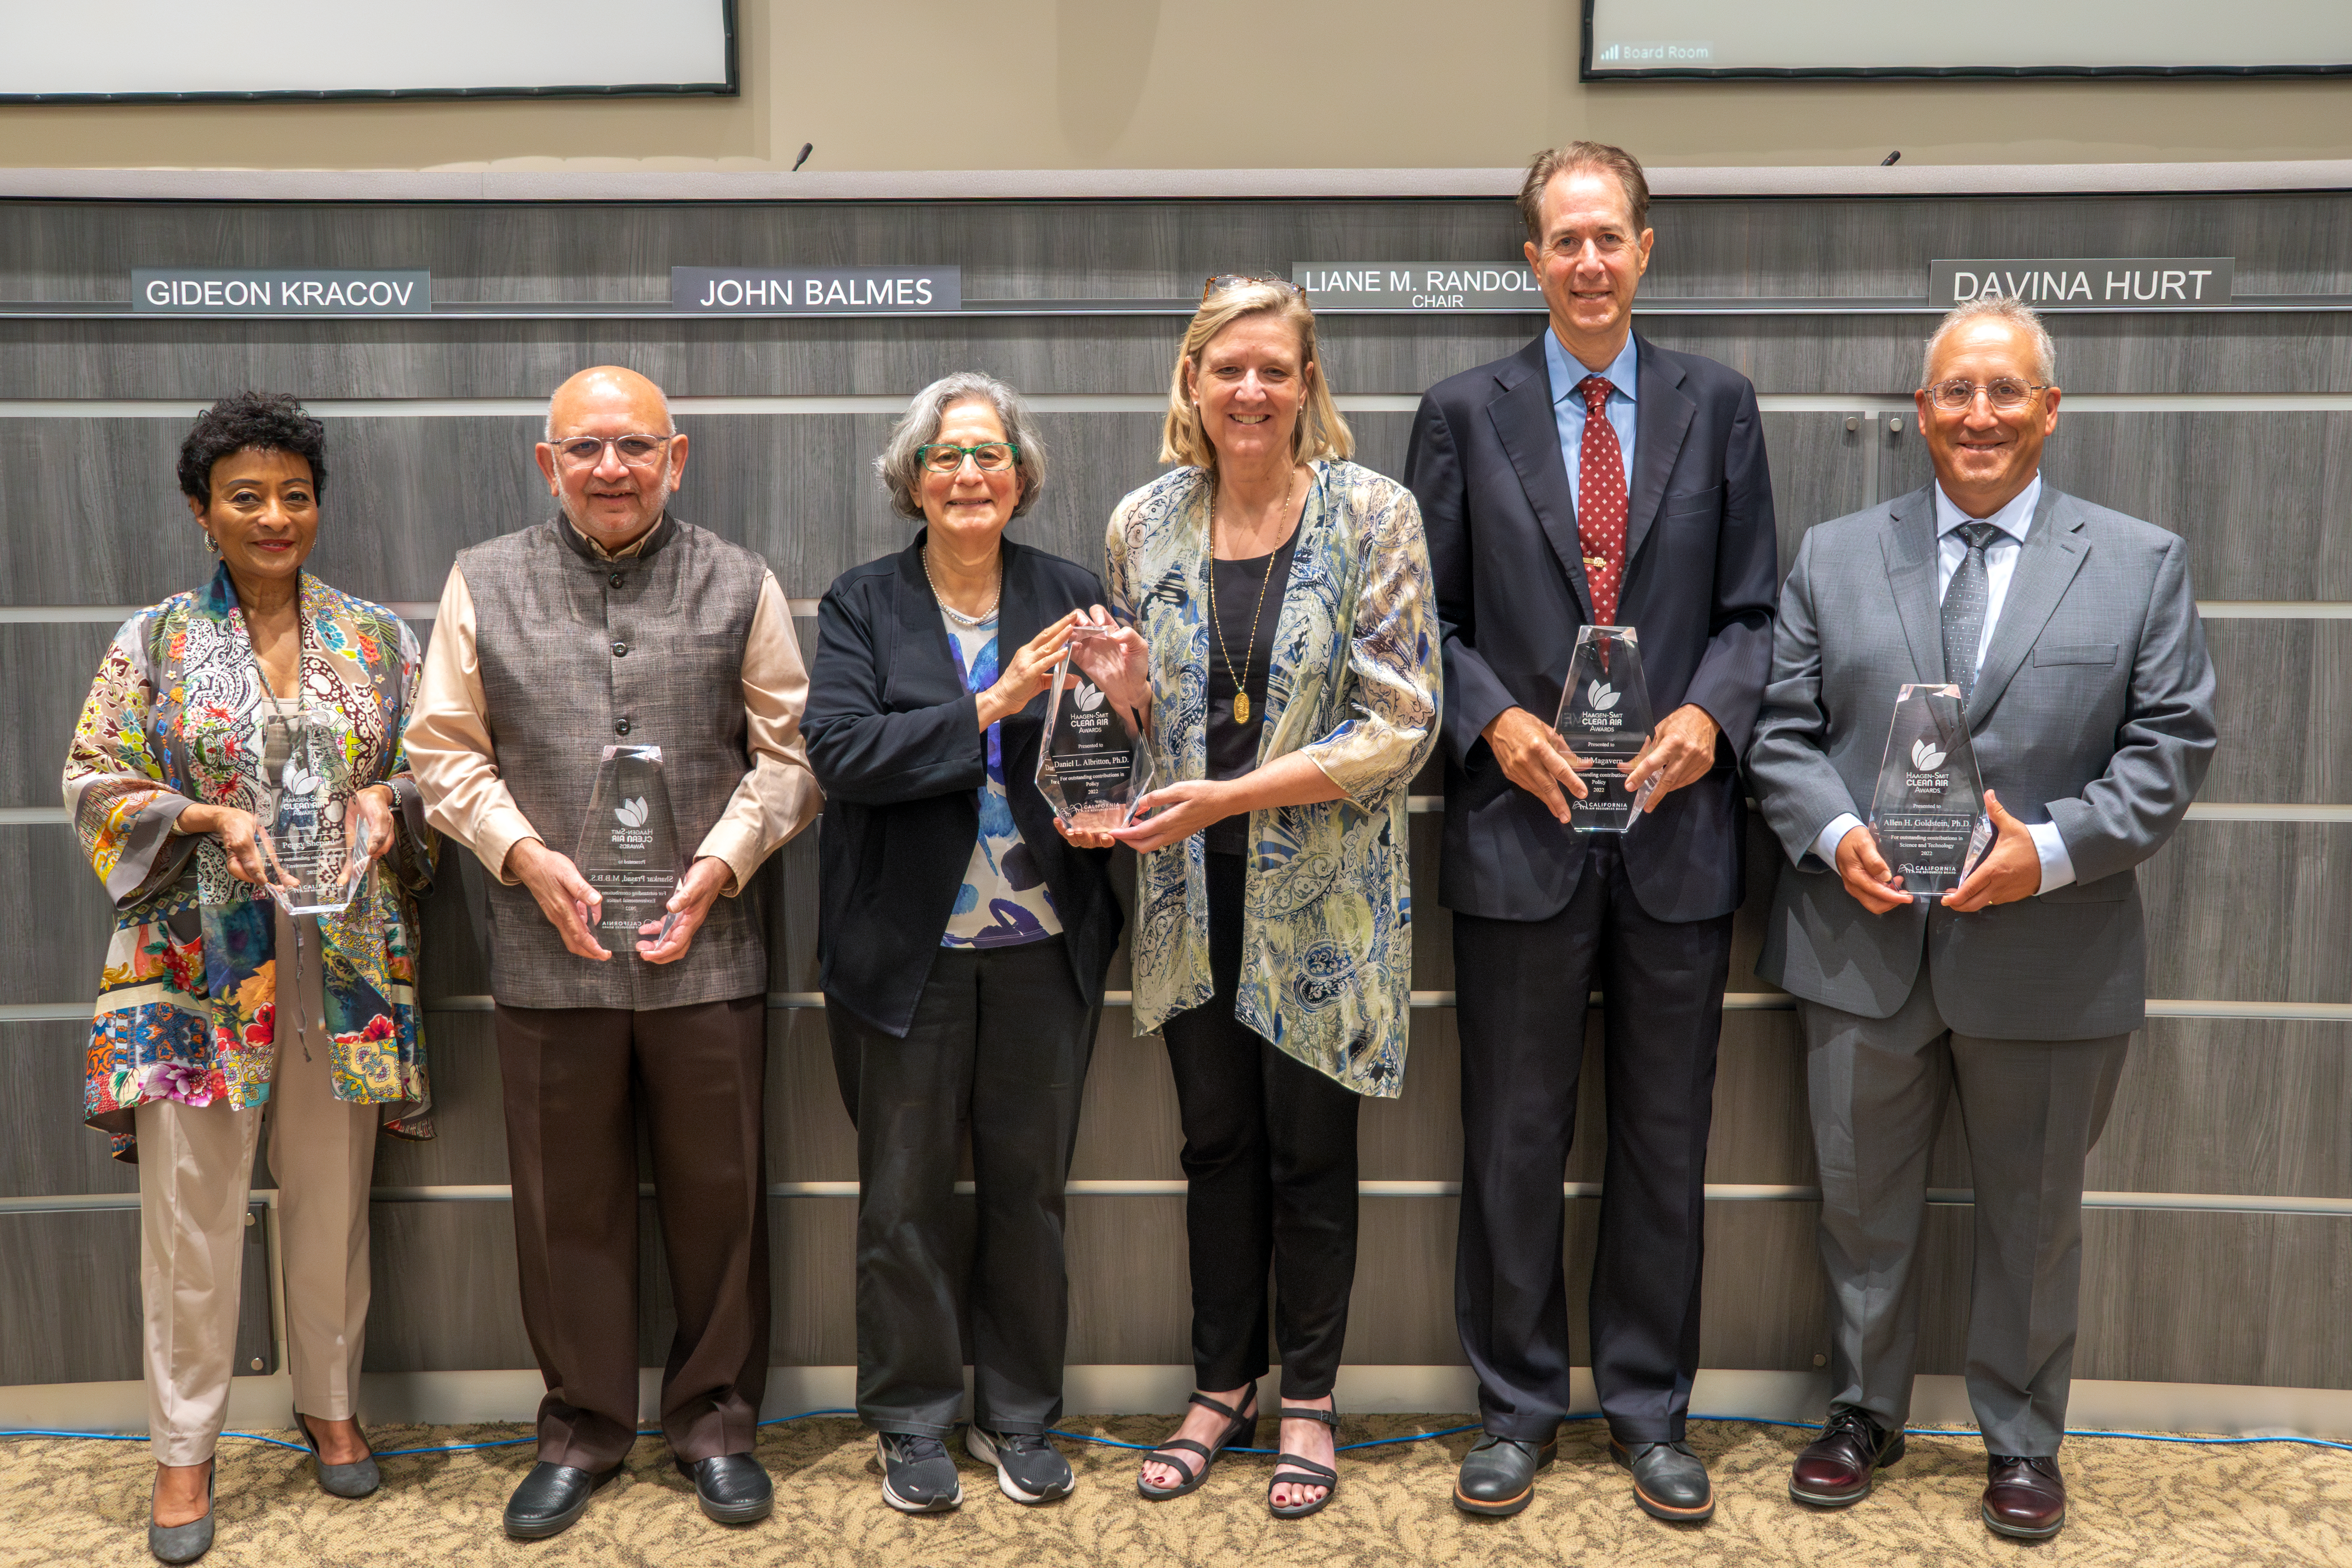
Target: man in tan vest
[{"x": 616, "y": 621}]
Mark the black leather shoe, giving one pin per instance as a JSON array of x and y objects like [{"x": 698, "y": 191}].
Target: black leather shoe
[
  {"x": 1499, "y": 1475},
  {"x": 550, "y": 1498},
  {"x": 2024, "y": 1498},
  {"x": 1669, "y": 1482},
  {"x": 1835, "y": 1468},
  {"x": 733, "y": 1489}
]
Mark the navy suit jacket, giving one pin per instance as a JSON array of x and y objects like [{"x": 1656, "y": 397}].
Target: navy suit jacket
[{"x": 1701, "y": 583}]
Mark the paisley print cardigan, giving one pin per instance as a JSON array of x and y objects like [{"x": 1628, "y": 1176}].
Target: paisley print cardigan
[
  {"x": 187, "y": 1003},
  {"x": 1327, "y": 935}
]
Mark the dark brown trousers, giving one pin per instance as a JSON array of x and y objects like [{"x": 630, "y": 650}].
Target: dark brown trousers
[{"x": 578, "y": 1080}]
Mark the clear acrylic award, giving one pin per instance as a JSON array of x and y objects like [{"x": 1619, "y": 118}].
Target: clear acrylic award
[
  {"x": 1928, "y": 815},
  {"x": 628, "y": 848},
  {"x": 312, "y": 868},
  {"x": 1605, "y": 718},
  {"x": 1095, "y": 762}
]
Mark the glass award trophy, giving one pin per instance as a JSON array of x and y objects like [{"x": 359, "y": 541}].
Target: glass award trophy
[
  {"x": 1928, "y": 815},
  {"x": 1605, "y": 718},
  {"x": 628, "y": 848},
  {"x": 1095, "y": 762},
  {"x": 312, "y": 867}
]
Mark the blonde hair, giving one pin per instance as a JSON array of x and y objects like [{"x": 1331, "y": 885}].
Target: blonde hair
[{"x": 1319, "y": 432}]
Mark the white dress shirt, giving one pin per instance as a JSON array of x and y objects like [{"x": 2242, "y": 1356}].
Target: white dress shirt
[
  {"x": 2000, "y": 565},
  {"x": 1568, "y": 404}
]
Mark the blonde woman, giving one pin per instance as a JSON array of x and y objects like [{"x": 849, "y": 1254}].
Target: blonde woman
[{"x": 1280, "y": 608}]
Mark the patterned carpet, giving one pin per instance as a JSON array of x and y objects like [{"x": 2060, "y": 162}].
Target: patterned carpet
[{"x": 2134, "y": 1503}]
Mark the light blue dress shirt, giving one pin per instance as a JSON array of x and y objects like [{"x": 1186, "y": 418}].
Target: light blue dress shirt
[
  {"x": 1568, "y": 404},
  {"x": 2000, "y": 565}
]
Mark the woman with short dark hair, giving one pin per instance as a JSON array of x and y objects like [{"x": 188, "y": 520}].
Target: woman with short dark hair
[
  {"x": 963, "y": 944},
  {"x": 217, "y": 1009}
]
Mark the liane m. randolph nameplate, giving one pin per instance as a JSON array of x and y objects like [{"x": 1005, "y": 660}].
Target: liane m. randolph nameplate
[
  {"x": 1928, "y": 814},
  {"x": 628, "y": 848},
  {"x": 1095, "y": 763},
  {"x": 1605, "y": 718}
]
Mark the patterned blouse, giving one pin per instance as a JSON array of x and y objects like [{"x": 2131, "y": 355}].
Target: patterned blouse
[
  {"x": 1004, "y": 901},
  {"x": 187, "y": 1003},
  {"x": 1327, "y": 935}
]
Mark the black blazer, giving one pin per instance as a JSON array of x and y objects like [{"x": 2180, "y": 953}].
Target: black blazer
[
  {"x": 895, "y": 741},
  {"x": 1701, "y": 581}
]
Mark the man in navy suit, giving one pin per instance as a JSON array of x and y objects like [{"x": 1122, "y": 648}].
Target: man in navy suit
[{"x": 1592, "y": 477}]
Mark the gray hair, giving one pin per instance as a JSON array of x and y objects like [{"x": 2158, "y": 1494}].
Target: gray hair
[
  {"x": 2004, "y": 308},
  {"x": 902, "y": 474}
]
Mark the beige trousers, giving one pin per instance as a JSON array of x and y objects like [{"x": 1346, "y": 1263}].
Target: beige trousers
[{"x": 195, "y": 1172}]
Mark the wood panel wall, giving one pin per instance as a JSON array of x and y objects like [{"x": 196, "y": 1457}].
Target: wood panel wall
[{"x": 2234, "y": 430}]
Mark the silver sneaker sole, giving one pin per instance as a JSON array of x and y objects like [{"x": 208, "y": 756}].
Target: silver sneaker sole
[
  {"x": 978, "y": 1444},
  {"x": 937, "y": 1505}
]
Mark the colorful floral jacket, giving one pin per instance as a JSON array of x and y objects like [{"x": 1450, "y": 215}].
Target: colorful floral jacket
[
  {"x": 187, "y": 1004},
  {"x": 1327, "y": 934}
]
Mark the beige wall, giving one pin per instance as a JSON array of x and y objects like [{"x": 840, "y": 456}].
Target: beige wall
[{"x": 1043, "y": 84}]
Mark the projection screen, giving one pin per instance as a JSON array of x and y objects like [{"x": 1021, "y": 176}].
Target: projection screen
[
  {"x": 2055, "y": 38},
  {"x": 177, "y": 50}
]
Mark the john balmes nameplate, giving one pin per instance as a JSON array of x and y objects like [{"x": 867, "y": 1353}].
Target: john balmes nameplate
[
  {"x": 268, "y": 292},
  {"x": 815, "y": 290},
  {"x": 1928, "y": 813}
]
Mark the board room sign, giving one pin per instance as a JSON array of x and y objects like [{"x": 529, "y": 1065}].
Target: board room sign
[
  {"x": 813, "y": 290},
  {"x": 264, "y": 291},
  {"x": 2127, "y": 283}
]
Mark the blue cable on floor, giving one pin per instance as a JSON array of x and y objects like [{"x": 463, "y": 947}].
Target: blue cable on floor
[{"x": 1146, "y": 1448}]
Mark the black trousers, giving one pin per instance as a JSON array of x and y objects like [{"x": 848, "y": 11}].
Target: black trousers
[
  {"x": 1270, "y": 1153},
  {"x": 1522, "y": 988},
  {"x": 1000, "y": 1042},
  {"x": 578, "y": 1080}
]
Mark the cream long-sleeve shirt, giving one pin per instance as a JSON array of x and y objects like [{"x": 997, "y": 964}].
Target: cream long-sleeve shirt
[{"x": 449, "y": 748}]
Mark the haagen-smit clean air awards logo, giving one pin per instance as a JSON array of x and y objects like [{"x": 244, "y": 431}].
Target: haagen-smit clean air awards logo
[
  {"x": 631, "y": 813},
  {"x": 1600, "y": 696},
  {"x": 1087, "y": 696},
  {"x": 1925, "y": 757}
]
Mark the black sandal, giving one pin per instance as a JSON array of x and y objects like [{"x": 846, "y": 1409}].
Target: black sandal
[
  {"x": 1239, "y": 1423},
  {"x": 1299, "y": 1472}
]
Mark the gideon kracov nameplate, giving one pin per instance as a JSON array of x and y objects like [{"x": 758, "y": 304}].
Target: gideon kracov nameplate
[
  {"x": 264, "y": 291},
  {"x": 1928, "y": 814},
  {"x": 1605, "y": 718},
  {"x": 815, "y": 290}
]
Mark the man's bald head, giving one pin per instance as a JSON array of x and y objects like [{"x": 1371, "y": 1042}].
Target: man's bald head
[
  {"x": 602, "y": 391},
  {"x": 612, "y": 456}
]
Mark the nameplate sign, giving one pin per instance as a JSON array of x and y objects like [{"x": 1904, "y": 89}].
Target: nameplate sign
[
  {"x": 2127, "y": 283},
  {"x": 1415, "y": 286},
  {"x": 264, "y": 291},
  {"x": 815, "y": 290}
]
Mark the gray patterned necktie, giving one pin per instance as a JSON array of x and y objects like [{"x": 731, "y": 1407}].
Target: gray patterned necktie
[{"x": 1964, "y": 609}]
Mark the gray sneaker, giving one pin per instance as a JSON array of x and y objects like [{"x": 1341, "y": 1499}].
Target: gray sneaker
[
  {"x": 1028, "y": 1467},
  {"x": 918, "y": 1476}
]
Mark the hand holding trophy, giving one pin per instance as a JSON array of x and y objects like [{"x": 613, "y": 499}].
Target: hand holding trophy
[
  {"x": 1605, "y": 718},
  {"x": 1095, "y": 761},
  {"x": 1928, "y": 814},
  {"x": 628, "y": 848}
]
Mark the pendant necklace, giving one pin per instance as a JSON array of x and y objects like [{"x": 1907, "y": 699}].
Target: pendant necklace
[{"x": 1249, "y": 648}]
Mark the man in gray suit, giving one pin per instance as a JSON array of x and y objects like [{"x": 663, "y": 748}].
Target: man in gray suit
[{"x": 2073, "y": 634}]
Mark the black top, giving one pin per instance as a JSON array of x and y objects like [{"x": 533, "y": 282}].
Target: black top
[
  {"x": 895, "y": 741},
  {"x": 1232, "y": 747}
]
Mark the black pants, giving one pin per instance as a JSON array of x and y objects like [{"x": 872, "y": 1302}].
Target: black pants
[
  {"x": 1000, "y": 1040},
  {"x": 1270, "y": 1153},
  {"x": 1522, "y": 989},
  {"x": 578, "y": 1080}
]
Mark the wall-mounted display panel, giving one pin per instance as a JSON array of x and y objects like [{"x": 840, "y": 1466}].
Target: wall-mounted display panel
[
  {"x": 1637, "y": 38},
  {"x": 146, "y": 51}
]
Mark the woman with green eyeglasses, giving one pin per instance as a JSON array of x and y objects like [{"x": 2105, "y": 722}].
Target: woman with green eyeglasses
[{"x": 963, "y": 944}]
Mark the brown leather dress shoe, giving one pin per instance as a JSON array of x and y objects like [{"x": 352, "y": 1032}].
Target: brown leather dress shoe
[
  {"x": 1835, "y": 1468},
  {"x": 2024, "y": 1497}
]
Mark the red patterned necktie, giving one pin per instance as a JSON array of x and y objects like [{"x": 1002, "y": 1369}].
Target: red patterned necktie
[{"x": 1601, "y": 502}]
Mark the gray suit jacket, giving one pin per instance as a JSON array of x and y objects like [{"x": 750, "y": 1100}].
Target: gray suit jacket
[{"x": 2094, "y": 711}]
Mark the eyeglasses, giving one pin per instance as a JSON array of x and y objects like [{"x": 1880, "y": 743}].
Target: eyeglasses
[
  {"x": 1604, "y": 245},
  {"x": 2006, "y": 394},
  {"x": 989, "y": 457},
  {"x": 588, "y": 451},
  {"x": 1225, "y": 281}
]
